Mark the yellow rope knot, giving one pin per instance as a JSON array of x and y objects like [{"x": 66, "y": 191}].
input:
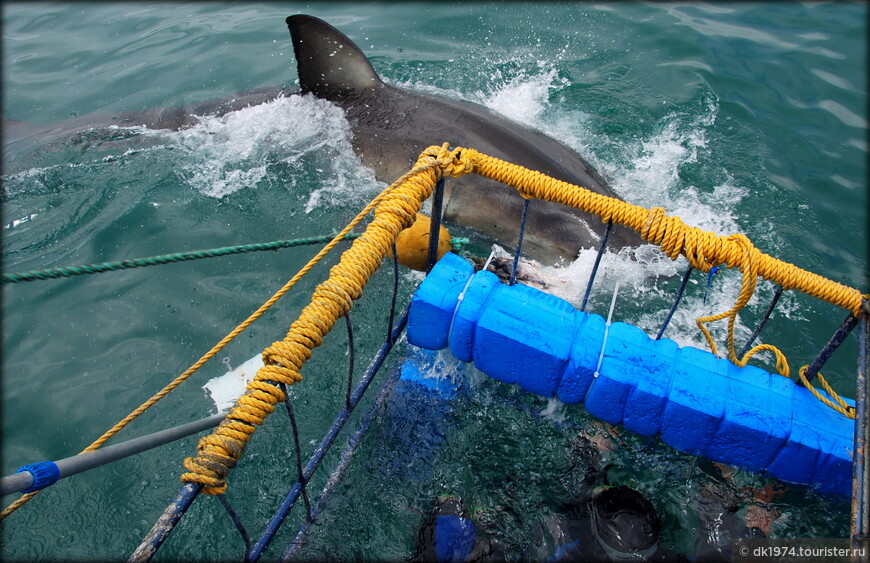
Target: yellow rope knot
[
  {"x": 741, "y": 252},
  {"x": 456, "y": 163},
  {"x": 463, "y": 161}
]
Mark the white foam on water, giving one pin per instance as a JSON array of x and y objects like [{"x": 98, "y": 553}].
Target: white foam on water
[
  {"x": 554, "y": 411},
  {"x": 647, "y": 175},
  {"x": 244, "y": 148},
  {"x": 653, "y": 179},
  {"x": 524, "y": 98}
]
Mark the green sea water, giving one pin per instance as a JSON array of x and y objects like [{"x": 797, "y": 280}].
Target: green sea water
[{"x": 738, "y": 117}]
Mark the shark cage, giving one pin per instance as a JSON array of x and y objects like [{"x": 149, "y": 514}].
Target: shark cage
[{"x": 722, "y": 409}]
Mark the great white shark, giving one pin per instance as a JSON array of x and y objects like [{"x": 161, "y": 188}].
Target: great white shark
[
  {"x": 390, "y": 127},
  {"x": 19, "y": 134}
]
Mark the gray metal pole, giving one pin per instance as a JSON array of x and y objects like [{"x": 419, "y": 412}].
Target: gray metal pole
[{"x": 89, "y": 460}]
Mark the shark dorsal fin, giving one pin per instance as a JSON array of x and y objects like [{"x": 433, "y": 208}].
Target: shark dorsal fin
[{"x": 329, "y": 64}]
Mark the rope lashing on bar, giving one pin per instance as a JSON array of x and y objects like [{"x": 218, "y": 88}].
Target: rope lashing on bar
[{"x": 394, "y": 210}]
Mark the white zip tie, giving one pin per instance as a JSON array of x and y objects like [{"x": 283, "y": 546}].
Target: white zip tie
[
  {"x": 607, "y": 328},
  {"x": 488, "y": 260},
  {"x": 462, "y": 296}
]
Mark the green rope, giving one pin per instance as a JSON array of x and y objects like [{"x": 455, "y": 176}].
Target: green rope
[
  {"x": 71, "y": 271},
  {"x": 165, "y": 259}
]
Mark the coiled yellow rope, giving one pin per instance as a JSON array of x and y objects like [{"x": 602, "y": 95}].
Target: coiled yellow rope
[{"x": 394, "y": 210}]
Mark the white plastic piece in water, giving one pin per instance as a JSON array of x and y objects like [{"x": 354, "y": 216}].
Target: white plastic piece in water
[
  {"x": 488, "y": 260},
  {"x": 226, "y": 389}
]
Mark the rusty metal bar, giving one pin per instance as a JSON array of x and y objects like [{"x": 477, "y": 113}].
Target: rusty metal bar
[
  {"x": 838, "y": 338},
  {"x": 861, "y": 475}
]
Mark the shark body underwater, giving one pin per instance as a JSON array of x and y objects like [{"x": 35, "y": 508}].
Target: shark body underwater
[{"x": 392, "y": 125}]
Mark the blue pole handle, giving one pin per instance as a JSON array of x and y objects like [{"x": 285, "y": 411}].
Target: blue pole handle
[{"x": 44, "y": 473}]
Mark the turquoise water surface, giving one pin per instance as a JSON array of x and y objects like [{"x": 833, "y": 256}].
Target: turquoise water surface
[{"x": 737, "y": 117}]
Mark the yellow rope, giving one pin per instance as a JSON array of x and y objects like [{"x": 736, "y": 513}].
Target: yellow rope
[
  {"x": 394, "y": 210},
  {"x": 841, "y": 406},
  {"x": 212, "y": 352},
  {"x": 219, "y": 346},
  {"x": 750, "y": 278},
  {"x": 21, "y": 501},
  {"x": 703, "y": 249}
]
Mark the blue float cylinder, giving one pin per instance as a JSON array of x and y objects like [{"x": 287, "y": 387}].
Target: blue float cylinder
[{"x": 697, "y": 402}]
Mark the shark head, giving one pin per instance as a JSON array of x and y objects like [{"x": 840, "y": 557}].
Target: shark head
[{"x": 330, "y": 65}]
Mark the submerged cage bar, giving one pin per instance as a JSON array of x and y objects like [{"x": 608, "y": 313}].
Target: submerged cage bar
[
  {"x": 337, "y": 474},
  {"x": 274, "y": 524},
  {"x": 166, "y": 523}
]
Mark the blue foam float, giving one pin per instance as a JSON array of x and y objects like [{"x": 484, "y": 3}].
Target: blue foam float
[{"x": 697, "y": 402}]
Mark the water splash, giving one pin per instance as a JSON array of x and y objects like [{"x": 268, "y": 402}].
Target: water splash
[
  {"x": 524, "y": 97},
  {"x": 291, "y": 139},
  {"x": 649, "y": 171}
]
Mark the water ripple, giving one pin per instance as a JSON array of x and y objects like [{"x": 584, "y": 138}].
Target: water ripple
[
  {"x": 716, "y": 27},
  {"x": 834, "y": 80},
  {"x": 844, "y": 114}
]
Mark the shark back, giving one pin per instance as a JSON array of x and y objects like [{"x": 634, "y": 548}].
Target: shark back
[
  {"x": 330, "y": 64},
  {"x": 391, "y": 126}
]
